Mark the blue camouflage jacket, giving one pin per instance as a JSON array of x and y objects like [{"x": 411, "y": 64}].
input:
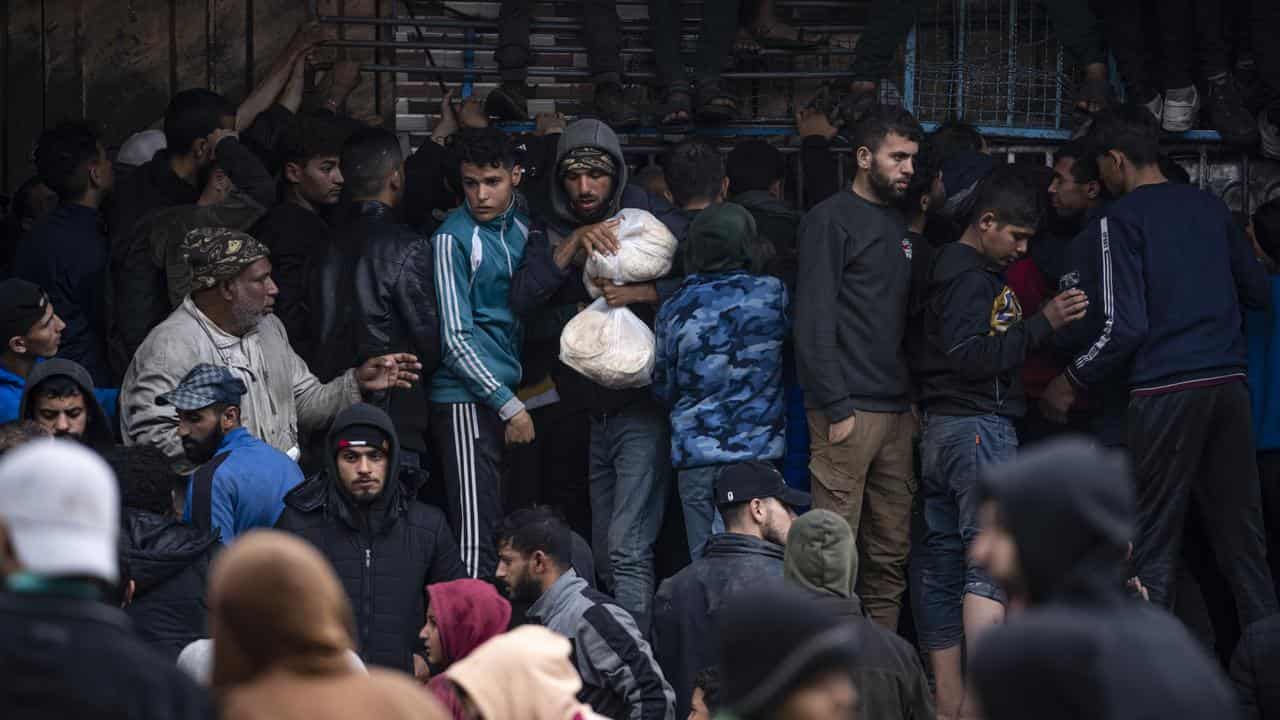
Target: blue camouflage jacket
[{"x": 719, "y": 368}]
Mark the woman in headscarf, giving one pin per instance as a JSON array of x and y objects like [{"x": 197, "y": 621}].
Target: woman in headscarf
[
  {"x": 719, "y": 360},
  {"x": 282, "y": 631},
  {"x": 462, "y": 615},
  {"x": 525, "y": 674}
]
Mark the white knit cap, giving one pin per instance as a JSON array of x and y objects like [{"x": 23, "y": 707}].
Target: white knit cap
[
  {"x": 62, "y": 510},
  {"x": 141, "y": 147}
]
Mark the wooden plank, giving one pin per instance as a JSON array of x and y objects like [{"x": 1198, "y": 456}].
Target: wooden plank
[
  {"x": 273, "y": 23},
  {"x": 24, "y": 103},
  {"x": 227, "y": 48},
  {"x": 64, "y": 46},
  {"x": 188, "y": 44},
  {"x": 126, "y": 65}
]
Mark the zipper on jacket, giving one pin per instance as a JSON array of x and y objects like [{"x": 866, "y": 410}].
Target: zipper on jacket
[{"x": 368, "y": 557}]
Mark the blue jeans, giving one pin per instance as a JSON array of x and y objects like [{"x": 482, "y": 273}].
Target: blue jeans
[
  {"x": 954, "y": 449},
  {"x": 630, "y": 479},
  {"x": 697, "y": 498}
]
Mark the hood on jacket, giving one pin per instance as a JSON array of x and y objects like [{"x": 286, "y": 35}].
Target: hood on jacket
[
  {"x": 587, "y": 133},
  {"x": 160, "y": 547},
  {"x": 721, "y": 239},
  {"x": 953, "y": 259},
  {"x": 381, "y": 511},
  {"x": 275, "y": 603},
  {"x": 1070, "y": 507},
  {"x": 525, "y": 674},
  {"x": 98, "y": 430},
  {"x": 468, "y": 612},
  {"x": 821, "y": 554}
]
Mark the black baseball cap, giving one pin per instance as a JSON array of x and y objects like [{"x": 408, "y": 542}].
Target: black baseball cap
[
  {"x": 22, "y": 305},
  {"x": 745, "y": 481}
]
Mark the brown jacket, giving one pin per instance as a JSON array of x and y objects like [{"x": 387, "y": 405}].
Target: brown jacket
[{"x": 282, "y": 627}]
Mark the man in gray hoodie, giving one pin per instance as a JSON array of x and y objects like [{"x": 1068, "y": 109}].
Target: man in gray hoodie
[
  {"x": 59, "y": 397},
  {"x": 630, "y": 471}
]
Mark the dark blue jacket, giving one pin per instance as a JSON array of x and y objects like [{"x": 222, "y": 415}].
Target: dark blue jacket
[
  {"x": 1174, "y": 271},
  {"x": 1263, "y": 329},
  {"x": 67, "y": 255}
]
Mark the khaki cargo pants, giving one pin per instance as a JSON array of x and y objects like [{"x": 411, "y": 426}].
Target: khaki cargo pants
[{"x": 868, "y": 479}]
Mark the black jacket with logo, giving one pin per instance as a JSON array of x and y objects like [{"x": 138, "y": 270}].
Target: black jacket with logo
[
  {"x": 385, "y": 552},
  {"x": 851, "y": 307},
  {"x": 973, "y": 340}
]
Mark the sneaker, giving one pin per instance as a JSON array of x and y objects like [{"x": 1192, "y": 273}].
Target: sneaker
[
  {"x": 509, "y": 102},
  {"x": 1228, "y": 115},
  {"x": 613, "y": 107},
  {"x": 1181, "y": 106},
  {"x": 1269, "y": 130}
]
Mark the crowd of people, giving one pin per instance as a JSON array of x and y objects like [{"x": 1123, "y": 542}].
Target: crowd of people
[{"x": 286, "y": 431}]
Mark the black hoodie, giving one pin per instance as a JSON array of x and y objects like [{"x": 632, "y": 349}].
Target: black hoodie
[
  {"x": 97, "y": 432},
  {"x": 1084, "y": 649},
  {"x": 385, "y": 551},
  {"x": 967, "y": 354},
  {"x": 169, "y": 566}
]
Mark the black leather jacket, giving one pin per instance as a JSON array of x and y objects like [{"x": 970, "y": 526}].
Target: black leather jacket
[{"x": 374, "y": 293}]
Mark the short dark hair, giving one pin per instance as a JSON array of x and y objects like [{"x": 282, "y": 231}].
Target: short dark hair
[
  {"x": 1129, "y": 128},
  {"x": 1266, "y": 227},
  {"x": 146, "y": 478},
  {"x": 1008, "y": 194},
  {"x": 484, "y": 147},
  {"x": 368, "y": 156},
  {"x": 734, "y": 514},
  {"x": 19, "y": 432},
  {"x": 695, "y": 171},
  {"x": 708, "y": 680},
  {"x": 537, "y": 528},
  {"x": 309, "y": 137},
  {"x": 882, "y": 121},
  {"x": 754, "y": 165},
  {"x": 55, "y": 387},
  {"x": 63, "y": 155},
  {"x": 952, "y": 139},
  {"x": 191, "y": 115},
  {"x": 1085, "y": 168}
]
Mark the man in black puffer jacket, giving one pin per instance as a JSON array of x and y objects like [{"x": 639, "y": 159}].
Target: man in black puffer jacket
[
  {"x": 168, "y": 562},
  {"x": 388, "y": 269},
  {"x": 386, "y": 546}
]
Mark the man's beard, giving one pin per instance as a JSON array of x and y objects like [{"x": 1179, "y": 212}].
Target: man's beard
[
  {"x": 245, "y": 316},
  {"x": 202, "y": 451},
  {"x": 525, "y": 590},
  {"x": 883, "y": 186}
]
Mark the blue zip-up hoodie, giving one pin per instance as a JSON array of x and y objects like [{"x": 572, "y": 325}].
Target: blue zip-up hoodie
[
  {"x": 480, "y": 334},
  {"x": 1263, "y": 331},
  {"x": 241, "y": 488},
  {"x": 1175, "y": 271}
]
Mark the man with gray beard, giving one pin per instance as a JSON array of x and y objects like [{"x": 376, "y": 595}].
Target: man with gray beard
[{"x": 227, "y": 321}]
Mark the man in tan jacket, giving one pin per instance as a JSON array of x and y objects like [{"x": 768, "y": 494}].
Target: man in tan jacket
[{"x": 227, "y": 321}]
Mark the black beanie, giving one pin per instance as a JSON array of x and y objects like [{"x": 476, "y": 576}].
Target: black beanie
[
  {"x": 771, "y": 640},
  {"x": 22, "y": 304}
]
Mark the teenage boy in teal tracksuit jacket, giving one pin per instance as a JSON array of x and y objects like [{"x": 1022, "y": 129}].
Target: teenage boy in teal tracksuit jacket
[{"x": 474, "y": 408}]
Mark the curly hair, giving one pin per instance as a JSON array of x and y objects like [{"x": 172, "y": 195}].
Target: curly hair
[{"x": 146, "y": 479}]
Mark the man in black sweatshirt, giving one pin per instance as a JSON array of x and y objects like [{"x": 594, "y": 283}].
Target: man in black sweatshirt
[
  {"x": 1175, "y": 270},
  {"x": 968, "y": 370},
  {"x": 850, "y": 317}
]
